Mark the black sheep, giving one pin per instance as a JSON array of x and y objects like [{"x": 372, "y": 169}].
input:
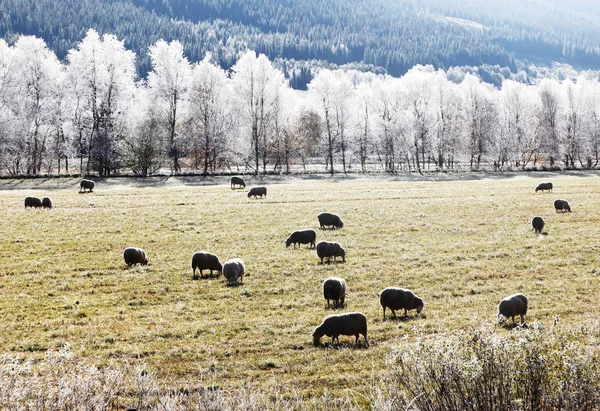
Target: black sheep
[
  {"x": 330, "y": 220},
  {"x": 302, "y": 237}
]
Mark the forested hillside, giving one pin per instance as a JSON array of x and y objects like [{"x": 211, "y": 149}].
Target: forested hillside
[{"x": 374, "y": 35}]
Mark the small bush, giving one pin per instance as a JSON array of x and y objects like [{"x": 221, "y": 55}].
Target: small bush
[{"x": 530, "y": 369}]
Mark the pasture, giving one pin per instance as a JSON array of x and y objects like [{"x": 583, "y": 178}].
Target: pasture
[{"x": 461, "y": 245}]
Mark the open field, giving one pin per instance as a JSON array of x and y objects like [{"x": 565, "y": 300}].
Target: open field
[{"x": 460, "y": 245}]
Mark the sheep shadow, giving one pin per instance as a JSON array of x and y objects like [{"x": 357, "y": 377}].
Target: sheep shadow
[
  {"x": 331, "y": 262},
  {"x": 205, "y": 277},
  {"x": 403, "y": 319},
  {"x": 514, "y": 326},
  {"x": 333, "y": 307},
  {"x": 328, "y": 345}
]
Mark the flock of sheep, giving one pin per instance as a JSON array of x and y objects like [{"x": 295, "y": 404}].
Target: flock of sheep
[{"x": 334, "y": 288}]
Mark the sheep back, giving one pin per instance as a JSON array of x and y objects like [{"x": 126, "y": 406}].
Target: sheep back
[
  {"x": 326, "y": 249},
  {"x": 33, "y": 202},
  {"x": 334, "y": 288},
  {"x": 257, "y": 191},
  {"x": 397, "y": 299},
  {"x": 237, "y": 181},
  {"x": 562, "y": 205},
  {"x": 512, "y": 306},
  {"x": 46, "y": 202},
  {"x": 133, "y": 256},
  {"x": 538, "y": 224},
  {"x": 342, "y": 324},
  {"x": 233, "y": 270},
  {"x": 544, "y": 186},
  {"x": 205, "y": 261},
  {"x": 330, "y": 220},
  {"x": 302, "y": 237},
  {"x": 86, "y": 184}
]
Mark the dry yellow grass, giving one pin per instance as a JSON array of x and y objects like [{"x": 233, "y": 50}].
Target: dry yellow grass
[{"x": 460, "y": 245}]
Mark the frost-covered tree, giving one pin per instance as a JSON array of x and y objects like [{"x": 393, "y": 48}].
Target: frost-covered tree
[
  {"x": 36, "y": 88},
  {"x": 144, "y": 144},
  {"x": 331, "y": 91},
  {"x": 572, "y": 124},
  {"x": 258, "y": 85},
  {"x": 389, "y": 120},
  {"x": 212, "y": 115},
  {"x": 10, "y": 153},
  {"x": 480, "y": 119},
  {"x": 550, "y": 119},
  {"x": 101, "y": 76},
  {"x": 169, "y": 82},
  {"x": 421, "y": 112}
]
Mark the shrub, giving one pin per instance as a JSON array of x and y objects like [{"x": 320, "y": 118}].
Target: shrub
[{"x": 530, "y": 369}]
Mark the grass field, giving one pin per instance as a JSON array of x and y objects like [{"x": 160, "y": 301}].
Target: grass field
[{"x": 461, "y": 245}]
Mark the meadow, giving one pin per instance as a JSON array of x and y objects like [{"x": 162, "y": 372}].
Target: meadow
[{"x": 460, "y": 244}]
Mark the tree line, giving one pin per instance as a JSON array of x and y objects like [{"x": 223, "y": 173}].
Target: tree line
[{"x": 93, "y": 114}]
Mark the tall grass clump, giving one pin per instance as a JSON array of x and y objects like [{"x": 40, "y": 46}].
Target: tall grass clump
[
  {"x": 482, "y": 369},
  {"x": 63, "y": 381}
]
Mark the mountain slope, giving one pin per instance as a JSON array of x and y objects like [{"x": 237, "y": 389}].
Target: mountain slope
[{"x": 368, "y": 34}]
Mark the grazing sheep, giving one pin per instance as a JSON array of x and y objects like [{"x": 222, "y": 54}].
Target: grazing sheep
[
  {"x": 46, "y": 202},
  {"x": 538, "y": 224},
  {"x": 302, "y": 237},
  {"x": 397, "y": 298},
  {"x": 334, "y": 288},
  {"x": 342, "y": 324},
  {"x": 327, "y": 249},
  {"x": 544, "y": 186},
  {"x": 33, "y": 202},
  {"x": 86, "y": 184},
  {"x": 205, "y": 261},
  {"x": 134, "y": 256},
  {"x": 329, "y": 219},
  {"x": 512, "y": 306},
  {"x": 233, "y": 271},
  {"x": 562, "y": 205},
  {"x": 257, "y": 191},
  {"x": 237, "y": 181}
]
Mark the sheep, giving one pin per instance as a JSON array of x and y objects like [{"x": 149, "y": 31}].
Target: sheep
[
  {"x": 562, "y": 205},
  {"x": 134, "y": 256},
  {"x": 257, "y": 191},
  {"x": 328, "y": 249},
  {"x": 33, "y": 202},
  {"x": 86, "y": 184},
  {"x": 544, "y": 186},
  {"x": 397, "y": 298},
  {"x": 205, "y": 261},
  {"x": 538, "y": 224},
  {"x": 334, "y": 288},
  {"x": 302, "y": 237},
  {"x": 46, "y": 202},
  {"x": 233, "y": 271},
  {"x": 512, "y": 306},
  {"x": 329, "y": 219},
  {"x": 342, "y": 324},
  {"x": 237, "y": 181}
]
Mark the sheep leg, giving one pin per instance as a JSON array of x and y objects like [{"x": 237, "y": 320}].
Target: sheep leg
[
  {"x": 394, "y": 313},
  {"x": 405, "y": 313},
  {"x": 522, "y": 318},
  {"x": 366, "y": 341},
  {"x": 383, "y": 313},
  {"x": 194, "y": 273},
  {"x": 356, "y": 341}
]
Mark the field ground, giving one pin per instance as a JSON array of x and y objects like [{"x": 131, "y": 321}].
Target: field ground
[{"x": 461, "y": 244}]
